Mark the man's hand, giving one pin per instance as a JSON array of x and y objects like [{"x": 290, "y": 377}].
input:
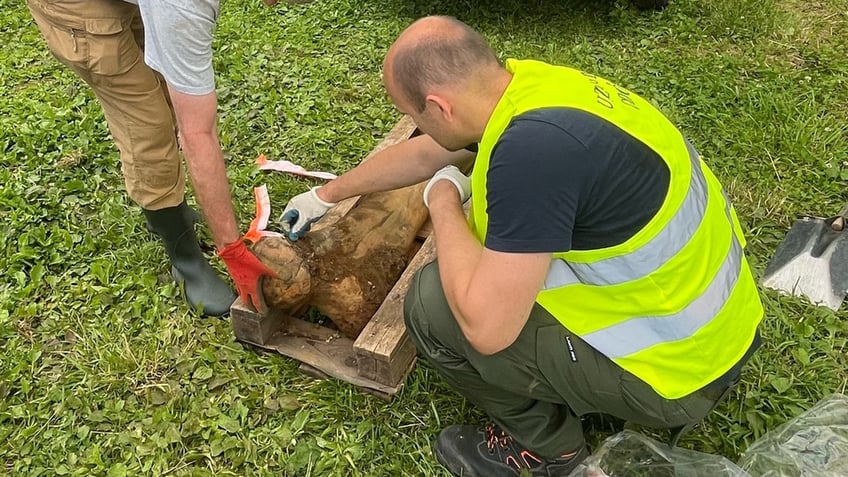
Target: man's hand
[
  {"x": 456, "y": 177},
  {"x": 246, "y": 271},
  {"x": 301, "y": 212}
]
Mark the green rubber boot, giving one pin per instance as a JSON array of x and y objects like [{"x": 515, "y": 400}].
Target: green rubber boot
[{"x": 204, "y": 289}]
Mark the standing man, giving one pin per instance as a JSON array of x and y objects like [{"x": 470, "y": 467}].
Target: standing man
[
  {"x": 124, "y": 60},
  {"x": 601, "y": 269}
]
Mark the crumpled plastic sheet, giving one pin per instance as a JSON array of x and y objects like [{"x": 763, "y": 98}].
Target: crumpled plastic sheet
[
  {"x": 630, "y": 454},
  {"x": 813, "y": 444}
]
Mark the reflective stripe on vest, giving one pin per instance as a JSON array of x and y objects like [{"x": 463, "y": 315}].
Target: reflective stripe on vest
[
  {"x": 652, "y": 255},
  {"x": 641, "y": 333}
]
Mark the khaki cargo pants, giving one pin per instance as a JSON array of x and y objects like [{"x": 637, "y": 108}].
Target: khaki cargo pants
[{"x": 103, "y": 41}]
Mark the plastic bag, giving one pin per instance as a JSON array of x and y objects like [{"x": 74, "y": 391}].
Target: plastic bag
[
  {"x": 630, "y": 454},
  {"x": 812, "y": 444}
]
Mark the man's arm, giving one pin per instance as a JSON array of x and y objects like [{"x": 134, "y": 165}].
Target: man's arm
[
  {"x": 196, "y": 116},
  {"x": 490, "y": 293},
  {"x": 400, "y": 165}
]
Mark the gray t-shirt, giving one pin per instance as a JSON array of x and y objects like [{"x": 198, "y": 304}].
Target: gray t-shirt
[{"x": 178, "y": 42}]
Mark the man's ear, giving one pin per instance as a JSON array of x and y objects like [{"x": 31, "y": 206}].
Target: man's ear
[{"x": 441, "y": 104}]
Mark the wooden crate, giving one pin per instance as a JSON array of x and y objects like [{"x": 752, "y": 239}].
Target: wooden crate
[{"x": 381, "y": 356}]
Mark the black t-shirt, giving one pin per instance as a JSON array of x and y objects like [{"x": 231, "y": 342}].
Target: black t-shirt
[{"x": 562, "y": 179}]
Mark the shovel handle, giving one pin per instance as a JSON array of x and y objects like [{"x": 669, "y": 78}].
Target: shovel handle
[{"x": 838, "y": 223}]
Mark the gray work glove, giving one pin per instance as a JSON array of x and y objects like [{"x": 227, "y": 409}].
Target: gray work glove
[
  {"x": 456, "y": 177},
  {"x": 301, "y": 212}
]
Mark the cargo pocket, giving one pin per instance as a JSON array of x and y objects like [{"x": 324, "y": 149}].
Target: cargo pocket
[
  {"x": 112, "y": 49},
  {"x": 64, "y": 42}
]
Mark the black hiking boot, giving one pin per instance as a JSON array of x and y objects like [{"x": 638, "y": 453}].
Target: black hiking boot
[
  {"x": 471, "y": 451},
  {"x": 204, "y": 290}
]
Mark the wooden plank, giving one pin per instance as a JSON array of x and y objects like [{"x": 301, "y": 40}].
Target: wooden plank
[
  {"x": 402, "y": 131},
  {"x": 318, "y": 374},
  {"x": 426, "y": 230},
  {"x": 323, "y": 352},
  {"x": 383, "y": 349},
  {"x": 324, "y": 349},
  {"x": 254, "y": 327}
]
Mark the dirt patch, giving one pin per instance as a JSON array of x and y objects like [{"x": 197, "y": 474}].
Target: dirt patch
[
  {"x": 819, "y": 22},
  {"x": 70, "y": 160}
]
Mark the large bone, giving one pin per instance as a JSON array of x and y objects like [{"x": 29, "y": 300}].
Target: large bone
[{"x": 346, "y": 269}]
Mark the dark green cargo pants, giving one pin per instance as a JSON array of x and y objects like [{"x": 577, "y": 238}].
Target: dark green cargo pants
[{"x": 537, "y": 388}]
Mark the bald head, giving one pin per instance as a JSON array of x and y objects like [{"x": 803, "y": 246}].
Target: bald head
[{"x": 437, "y": 51}]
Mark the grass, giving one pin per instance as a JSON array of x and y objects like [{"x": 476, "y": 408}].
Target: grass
[{"x": 104, "y": 371}]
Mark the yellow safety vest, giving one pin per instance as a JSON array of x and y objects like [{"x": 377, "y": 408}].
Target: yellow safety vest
[{"x": 676, "y": 304}]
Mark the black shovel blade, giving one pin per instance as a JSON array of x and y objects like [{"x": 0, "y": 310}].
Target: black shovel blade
[{"x": 811, "y": 261}]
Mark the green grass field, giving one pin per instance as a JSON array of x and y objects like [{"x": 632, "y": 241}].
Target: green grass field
[{"x": 103, "y": 369}]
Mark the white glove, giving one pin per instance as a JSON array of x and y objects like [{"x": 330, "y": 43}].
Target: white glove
[
  {"x": 301, "y": 212},
  {"x": 457, "y": 178}
]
